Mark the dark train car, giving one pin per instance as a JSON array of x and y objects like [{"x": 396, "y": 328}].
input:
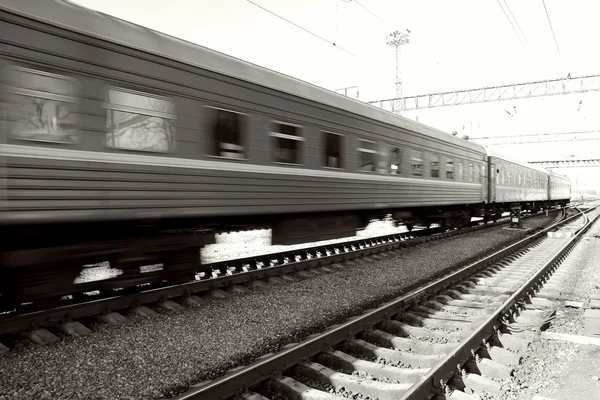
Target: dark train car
[
  {"x": 559, "y": 188},
  {"x": 125, "y": 145},
  {"x": 513, "y": 182}
]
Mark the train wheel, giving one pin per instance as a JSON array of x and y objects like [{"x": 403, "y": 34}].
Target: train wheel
[
  {"x": 8, "y": 295},
  {"x": 181, "y": 265},
  {"x": 42, "y": 284},
  {"x": 132, "y": 275}
]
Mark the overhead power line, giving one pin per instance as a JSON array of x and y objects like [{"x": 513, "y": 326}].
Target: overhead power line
[
  {"x": 551, "y": 28},
  {"x": 373, "y": 14},
  {"x": 511, "y": 24},
  {"x": 359, "y": 59},
  {"x": 516, "y": 22},
  {"x": 304, "y": 29}
]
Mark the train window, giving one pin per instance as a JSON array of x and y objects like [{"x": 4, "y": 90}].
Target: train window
[
  {"x": 460, "y": 171},
  {"x": 435, "y": 166},
  {"x": 508, "y": 181},
  {"x": 476, "y": 173},
  {"x": 519, "y": 180},
  {"x": 449, "y": 169},
  {"x": 470, "y": 173},
  {"x": 333, "y": 150},
  {"x": 395, "y": 161},
  {"x": 366, "y": 155},
  {"x": 139, "y": 121},
  {"x": 416, "y": 163},
  {"x": 502, "y": 177},
  {"x": 226, "y": 129},
  {"x": 287, "y": 140},
  {"x": 41, "y": 106}
]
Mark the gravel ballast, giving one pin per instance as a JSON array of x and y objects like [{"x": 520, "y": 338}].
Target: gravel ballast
[{"x": 160, "y": 357}]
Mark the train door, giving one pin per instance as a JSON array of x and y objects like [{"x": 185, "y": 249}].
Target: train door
[
  {"x": 3, "y": 141},
  {"x": 492, "y": 182},
  {"x": 483, "y": 181}
]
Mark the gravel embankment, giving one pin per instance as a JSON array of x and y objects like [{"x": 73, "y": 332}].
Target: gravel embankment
[{"x": 158, "y": 358}]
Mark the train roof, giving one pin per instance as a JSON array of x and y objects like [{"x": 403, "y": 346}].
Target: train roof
[
  {"x": 70, "y": 16},
  {"x": 559, "y": 175},
  {"x": 494, "y": 153}
]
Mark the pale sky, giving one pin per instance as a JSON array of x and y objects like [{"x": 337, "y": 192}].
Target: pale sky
[{"x": 458, "y": 44}]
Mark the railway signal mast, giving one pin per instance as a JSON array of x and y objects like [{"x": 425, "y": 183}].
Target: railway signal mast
[{"x": 397, "y": 39}]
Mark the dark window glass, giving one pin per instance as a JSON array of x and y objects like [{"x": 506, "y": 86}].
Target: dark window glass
[
  {"x": 416, "y": 163},
  {"x": 226, "y": 133},
  {"x": 287, "y": 140},
  {"x": 333, "y": 150},
  {"x": 395, "y": 161},
  {"x": 435, "y": 166},
  {"x": 449, "y": 169},
  {"x": 366, "y": 156}
]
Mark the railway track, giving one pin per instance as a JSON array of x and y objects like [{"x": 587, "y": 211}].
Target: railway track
[
  {"x": 442, "y": 341},
  {"x": 225, "y": 274}
]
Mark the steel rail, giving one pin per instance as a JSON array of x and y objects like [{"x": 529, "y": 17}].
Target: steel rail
[
  {"x": 245, "y": 377},
  {"x": 245, "y": 270},
  {"x": 425, "y": 387}
]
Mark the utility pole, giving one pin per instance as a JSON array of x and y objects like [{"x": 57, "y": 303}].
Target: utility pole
[{"x": 397, "y": 39}]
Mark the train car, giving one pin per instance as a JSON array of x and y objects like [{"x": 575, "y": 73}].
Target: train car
[
  {"x": 122, "y": 144},
  {"x": 513, "y": 182},
  {"x": 559, "y": 188},
  {"x": 516, "y": 183}
]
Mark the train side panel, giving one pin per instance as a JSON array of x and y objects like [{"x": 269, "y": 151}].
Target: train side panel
[
  {"x": 559, "y": 188},
  {"x": 516, "y": 183},
  {"x": 47, "y": 180}
]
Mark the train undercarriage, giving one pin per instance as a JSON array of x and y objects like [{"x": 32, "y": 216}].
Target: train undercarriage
[{"x": 44, "y": 262}]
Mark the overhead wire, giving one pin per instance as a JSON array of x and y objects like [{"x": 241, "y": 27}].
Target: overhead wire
[
  {"x": 336, "y": 26},
  {"x": 516, "y": 22},
  {"x": 373, "y": 14},
  {"x": 511, "y": 24},
  {"x": 337, "y": 13},
  {"x": 551, "y": 28},
  {"x": 304, "y": 29},
  {"x": 318, "y": 36}
]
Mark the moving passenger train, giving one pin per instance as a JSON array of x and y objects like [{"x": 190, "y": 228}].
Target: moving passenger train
[{"x": 122, "y": 144}]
